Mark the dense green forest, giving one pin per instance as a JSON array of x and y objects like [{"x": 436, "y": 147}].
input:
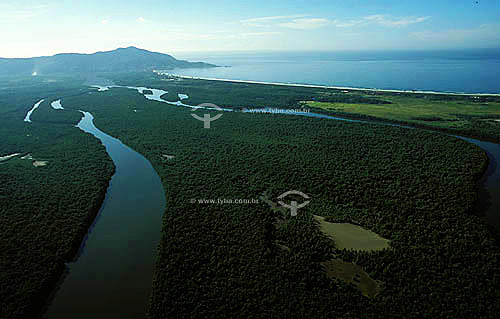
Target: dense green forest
[
  {"x": 413, "y": 187},
  {"x": 44, "y": 211}
]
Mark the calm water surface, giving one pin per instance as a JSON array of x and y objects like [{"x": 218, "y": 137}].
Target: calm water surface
[
  {"x": 112, "y": 277},
  {"x": 469, "y": 71}
]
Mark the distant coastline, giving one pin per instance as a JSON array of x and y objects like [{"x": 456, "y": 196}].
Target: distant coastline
[{"x": 325, "y": 86}]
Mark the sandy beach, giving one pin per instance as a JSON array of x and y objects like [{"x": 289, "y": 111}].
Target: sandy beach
[{"x": 326, "y": 87}]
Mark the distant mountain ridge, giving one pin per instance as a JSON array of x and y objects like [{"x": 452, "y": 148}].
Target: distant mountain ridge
[{"x": 121, "y": 59}]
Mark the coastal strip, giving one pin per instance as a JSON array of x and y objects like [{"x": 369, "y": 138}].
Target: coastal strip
[{"x": 325, "y": 86}]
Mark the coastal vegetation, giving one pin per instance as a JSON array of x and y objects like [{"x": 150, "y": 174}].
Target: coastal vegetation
[{"x": 412, "y": 187}]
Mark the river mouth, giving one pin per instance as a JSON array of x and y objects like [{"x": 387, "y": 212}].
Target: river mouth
[{"x": 112, "y": 277}]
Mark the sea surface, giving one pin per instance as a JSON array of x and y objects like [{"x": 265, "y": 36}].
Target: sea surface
[{"x": 464, "y": 71}]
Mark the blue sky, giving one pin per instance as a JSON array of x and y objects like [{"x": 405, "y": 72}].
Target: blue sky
[{"x": 33, "y": 28}]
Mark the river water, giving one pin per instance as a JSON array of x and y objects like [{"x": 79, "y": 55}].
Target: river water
[
  {"x": 28, "y": 115},
  {"x": 112, "y": 276}
]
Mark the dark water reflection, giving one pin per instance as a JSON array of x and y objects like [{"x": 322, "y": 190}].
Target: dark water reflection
[{"x": 112, "y": 277}]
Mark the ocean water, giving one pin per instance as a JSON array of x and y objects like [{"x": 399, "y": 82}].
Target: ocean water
[{"x": 468, "y": 71}]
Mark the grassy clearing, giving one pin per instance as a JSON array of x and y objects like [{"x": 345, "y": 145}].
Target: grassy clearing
[
  {"x": 354, "y": 275},
  {"x": 349, "y": 236},
  {"x": 434, "y": 112},
  {"x": 40, "y": 163}
]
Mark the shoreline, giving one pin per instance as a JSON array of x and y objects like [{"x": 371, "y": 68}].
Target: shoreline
[{"x": 325, "y": 86}]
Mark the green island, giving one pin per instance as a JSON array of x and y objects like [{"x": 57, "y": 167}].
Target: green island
[{"x": 414, "y": 188}]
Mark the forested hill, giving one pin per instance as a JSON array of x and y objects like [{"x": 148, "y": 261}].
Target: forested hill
[{"x": 122, "y": 59}]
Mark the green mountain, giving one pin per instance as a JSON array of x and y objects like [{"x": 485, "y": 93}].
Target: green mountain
[{"x": 122, "y": 59}]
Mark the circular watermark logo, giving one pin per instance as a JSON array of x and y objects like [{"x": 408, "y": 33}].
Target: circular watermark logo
[
  {"x": 293, "y": 206},
  {"x": 207, "y": 119}
]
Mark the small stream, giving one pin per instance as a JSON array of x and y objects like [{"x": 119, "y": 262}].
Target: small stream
[{"x": 28, "y": 115}]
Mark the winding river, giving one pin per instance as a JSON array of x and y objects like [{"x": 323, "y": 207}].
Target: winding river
[
  {"x": 120, "y": 248},
  {"x": 489, "y": 194},
  {"x": 112, "y": 276}
]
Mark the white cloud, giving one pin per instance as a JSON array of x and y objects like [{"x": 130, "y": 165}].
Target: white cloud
[
  {"x": 380, "y": 19},
  {"x": 104, "y": 22},
  {"x": 141, "y": 19},
  {"x": 389, "y": 21},
  {"x": 259, "y": 34},
  {"x": 305, "y": 23},
  {"x": 267, "y": 21},
  {"x": 347, "y": 24},
  {"x": 298, "y": 22},
  {"x": 179, "y": 34}
]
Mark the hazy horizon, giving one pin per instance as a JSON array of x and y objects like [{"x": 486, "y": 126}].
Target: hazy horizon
[
  {"x": 278, "y": 26},
  {"x": 188, "y": 53}
]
